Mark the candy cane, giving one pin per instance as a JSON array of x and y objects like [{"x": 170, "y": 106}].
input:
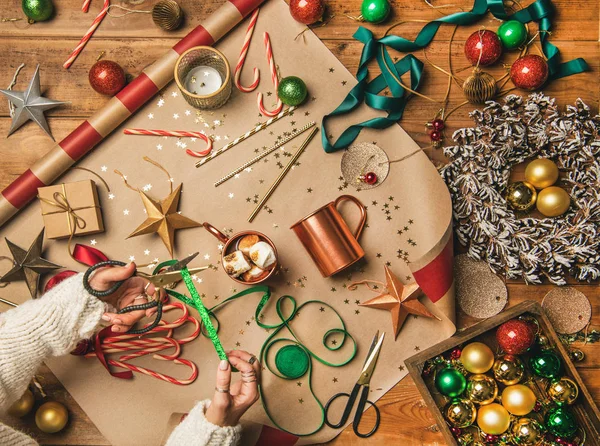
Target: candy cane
[
  {"x": 88, "y": 34},
  {"x": 274, "y": 79},
  {"x": 136, "y": 346},
  {"x": 178, "y": 134},
  {"x": 86, "y": 5},
  {"x": 242, "y": 58}
]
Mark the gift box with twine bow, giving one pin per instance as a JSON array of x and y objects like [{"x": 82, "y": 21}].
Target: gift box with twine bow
[{"x": 71, "y": 209}]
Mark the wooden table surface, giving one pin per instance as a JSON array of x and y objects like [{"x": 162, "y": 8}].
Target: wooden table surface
[{"x": 135, "y": 42}]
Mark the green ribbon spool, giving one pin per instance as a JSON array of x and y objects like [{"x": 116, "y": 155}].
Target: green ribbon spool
[
  {"x": 292, "y": 361},
  {"x": 367, "y": 92}
]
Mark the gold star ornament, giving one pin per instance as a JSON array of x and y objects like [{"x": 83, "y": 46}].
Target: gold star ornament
[
  {"x": 28, "y": 265},
  {"x": 400, "y": 300},
  {"x": 163, "y": 218}
]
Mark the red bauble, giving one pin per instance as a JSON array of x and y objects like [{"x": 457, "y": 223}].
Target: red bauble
[
  {"x": 529, "y": 72},
  {"x": 485, "y": 44},
  {"x": 456, "y": 353},
  {"x": 107, "y": 77},
  {"x": 515, "y": 336},
  {"x": 307, "y": 11}
]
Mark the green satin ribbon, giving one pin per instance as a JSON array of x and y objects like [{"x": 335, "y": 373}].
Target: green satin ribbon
[
  {"x": 367, "y": 92},
  {"x": 209, "y": 330}
]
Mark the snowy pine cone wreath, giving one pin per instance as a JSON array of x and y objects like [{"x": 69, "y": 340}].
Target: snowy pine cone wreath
[{"x": 478, "y": 174}]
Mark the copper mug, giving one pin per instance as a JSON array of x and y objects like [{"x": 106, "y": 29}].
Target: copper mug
[
  {"x": 328, "y": 239},
  {"x": 232, "y": 241}
]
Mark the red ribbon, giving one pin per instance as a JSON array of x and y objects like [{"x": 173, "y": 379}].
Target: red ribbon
[
  {"x": 105, "y": 333},
  {"x": 82, "y": 253},
  {"x": 58, "y": 278}
]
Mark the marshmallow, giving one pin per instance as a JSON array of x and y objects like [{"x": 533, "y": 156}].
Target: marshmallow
[
  {"x": 254, "y": 275},
  {"x": 263, "y": 255},
  {"x": 236, "y": 263},
  {"x": 247, "y": 242}
]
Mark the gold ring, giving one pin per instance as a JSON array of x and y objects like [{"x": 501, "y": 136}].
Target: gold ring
[
  {"x": 221, "y": 390},
  {"x": 146, "y": 287},
  {"x": 249, "y": 380}
]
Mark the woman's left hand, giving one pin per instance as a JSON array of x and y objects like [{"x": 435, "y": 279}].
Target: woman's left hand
[{"x": 132, "y": 292}]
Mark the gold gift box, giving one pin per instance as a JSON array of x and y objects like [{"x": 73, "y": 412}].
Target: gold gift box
[{"x": 71, "y": 209}]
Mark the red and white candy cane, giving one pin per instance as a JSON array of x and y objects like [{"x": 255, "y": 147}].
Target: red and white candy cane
[
  {"x": 274, "y": 79},
  {"x": 86, "y": 5},
  {"x": 84, "y": 40},
  {"x": 242, "y": 58},
  {"x": 136, "y": 346},
  {"x": 178, "y": 134}
]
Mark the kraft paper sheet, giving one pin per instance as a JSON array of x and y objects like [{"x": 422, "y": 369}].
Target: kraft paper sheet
[{"x": 413, "y": 200}]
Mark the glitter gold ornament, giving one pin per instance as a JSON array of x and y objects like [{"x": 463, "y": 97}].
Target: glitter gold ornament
[
  {"x": 526, "y": 432},
  {"x": 362, "y": 158},
  {"x": 493, "y": 419},
  {"x": 23, "y": 405},
  {"x": 460, "y": 413},
  {"x": 563, "y": 391},
  {"x": 51, "y": 417},
  {"x": 541, "y": 173},
  {"x": 477, "y": 357},
  {"x": 568, "y": 309},
  {"x": 167, "y": 14},
  {"x": 481, "y": 389},
  {"x": 553, "y": 201},
  {"x": 518, "y": 399},
  {"x": 521, "y": 196},
  {"x": 508, "y": 369},
  {"x": 479, "y": 87}
]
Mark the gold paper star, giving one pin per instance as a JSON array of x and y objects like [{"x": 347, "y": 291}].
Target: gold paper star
[
  {"x": 163, "y": 218},
  {"x": 28, "y": 265},
  {"x": 400, "y": 300}
]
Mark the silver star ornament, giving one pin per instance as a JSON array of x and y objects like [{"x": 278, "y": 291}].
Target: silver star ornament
[{"x": 30, "y": 105}]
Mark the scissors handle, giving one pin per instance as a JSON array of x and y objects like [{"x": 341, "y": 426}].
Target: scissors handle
[
  {"x": 347, "y": 409},
  {"x": 158, "y": 304},
  {"x": 359, "y": 413},
  {"x": 88, "y": 273}
]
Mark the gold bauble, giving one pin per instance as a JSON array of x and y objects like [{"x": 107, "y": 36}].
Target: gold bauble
[
  {"x": 479, "y": 87},
  {"x": 563, "y": 391},
  {"x": 493, "y": 419},
  {"x": 541, "y": 173},
  {"x": 51, "y": 417},
  {"x": 477, "y": 357},
  {"x": 521, "y": 196},
  {"x": 553, "y": 201},
  {"x": 167, "y": 14},
  {"x": 508, "y": 370},
  {"x": 460, "y": 413},
  {"x": 23, "y": 405},
  {"x": 518, "y": 399},
  {"x": 526, "y": 432},
  {"x": 481, "y": 389}
]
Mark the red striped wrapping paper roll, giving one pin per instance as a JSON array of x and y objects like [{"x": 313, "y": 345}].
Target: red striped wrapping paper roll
[{"x": 92, "y": 131}]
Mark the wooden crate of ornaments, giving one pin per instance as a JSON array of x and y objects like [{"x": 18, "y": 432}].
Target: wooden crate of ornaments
[{"x": 451, "y": 351}]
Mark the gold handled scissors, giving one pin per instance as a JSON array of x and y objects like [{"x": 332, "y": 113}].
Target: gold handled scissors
[{"x": 165, "y": 278}]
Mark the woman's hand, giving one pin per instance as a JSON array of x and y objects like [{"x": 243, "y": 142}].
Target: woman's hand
[
  {"x": 231, "y": 401},
  {"x": 132, "y": 292}
]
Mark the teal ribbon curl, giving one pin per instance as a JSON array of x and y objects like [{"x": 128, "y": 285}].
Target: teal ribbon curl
[{"x": 367, "y": 92}]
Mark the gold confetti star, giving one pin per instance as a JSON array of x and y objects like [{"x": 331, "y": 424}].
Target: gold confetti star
[
  {"x": 241, "y": 332},
  {"x": 300, "y": 400},
  {"x": 237, "y": 344},
  {"x": 335, "y": 379},
  {"x": 333, "y": 290},
  {"x": 417, "y": 348},
  {"x": 401, "y": 368},
  {"x": 356, "y": 312},
  {"x": 346, "y": 301},
  {"x": 331, "y": 70},
  {"x": 299, "y": 384},
  {"x": 322, "y": 309}
]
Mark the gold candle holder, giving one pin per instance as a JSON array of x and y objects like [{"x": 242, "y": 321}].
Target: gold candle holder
[{"x": 203, "y": 76}]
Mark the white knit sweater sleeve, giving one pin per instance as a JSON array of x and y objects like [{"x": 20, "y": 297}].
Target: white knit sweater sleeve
[{"x": 196, "y": 430}]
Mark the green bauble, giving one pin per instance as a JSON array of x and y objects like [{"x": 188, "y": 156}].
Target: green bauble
[
  {"x": 512, "y": 34},
  {"x": 375, "y": 11},
  {"x": 546, "y": 364},
  {"x": 292, "y": 91},
  {"x": 450, "y": 382},
  {"x": 38, "y": 10},
  {"x": 560, "y": 421}
]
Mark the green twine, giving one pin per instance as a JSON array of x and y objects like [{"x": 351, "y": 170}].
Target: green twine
[
  {"x": 292, "y": 361},
  {"x": 367, "y": 92}
]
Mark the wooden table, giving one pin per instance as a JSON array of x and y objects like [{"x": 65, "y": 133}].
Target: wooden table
[{"x": 135, "y": 42}]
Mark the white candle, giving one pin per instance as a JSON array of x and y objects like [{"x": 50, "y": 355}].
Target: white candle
[{"x": 203, "y": 80}]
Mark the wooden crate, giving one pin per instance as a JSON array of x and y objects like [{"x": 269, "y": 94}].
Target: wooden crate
[{"x": 585, "y": 410}]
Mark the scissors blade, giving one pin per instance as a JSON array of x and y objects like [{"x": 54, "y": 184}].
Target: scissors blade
[
  {"x": 181, "y": 263},
  {"x": 369, "y": 367},
  {"x": 371, "y": 348}
]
